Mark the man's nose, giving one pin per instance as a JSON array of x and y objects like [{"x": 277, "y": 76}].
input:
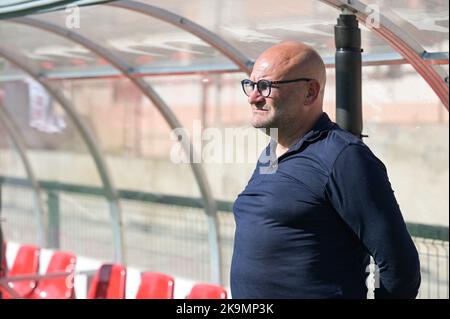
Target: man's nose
[{"x": 255, "y": 97}]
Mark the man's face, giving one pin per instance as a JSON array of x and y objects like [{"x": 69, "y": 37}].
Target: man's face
[{"x": 282, "y": 106}]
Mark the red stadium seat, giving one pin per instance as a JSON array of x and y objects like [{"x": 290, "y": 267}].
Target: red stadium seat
[
  {"x": 109, "y": 282},
  {"x": 25, "y": 263},
  {"x": 60, "y": 287},
  {"x": 155, "y": 286},
  {"x": 207, "y": 291}
]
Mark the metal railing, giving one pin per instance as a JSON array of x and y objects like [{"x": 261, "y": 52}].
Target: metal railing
[{"x": 164, "y": 232}]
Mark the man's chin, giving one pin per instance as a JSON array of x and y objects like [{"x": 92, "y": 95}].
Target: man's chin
[
  {"x": 258, "y": 123},
  {"x": 265, "y": 127},
  {"x": 262, "y": 127}
]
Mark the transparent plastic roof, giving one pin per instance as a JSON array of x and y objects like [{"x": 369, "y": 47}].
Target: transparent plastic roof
[
  {"x": 173, "y": 37},
  {"x": 44, "y": 51},
  {"x": 13, "y": 8},
  {"x": 141, "y": 41},
  {"x": 143, "y": 33},
  {"x": 426, "y": 21},
  {"x": 254, "y": 25}
]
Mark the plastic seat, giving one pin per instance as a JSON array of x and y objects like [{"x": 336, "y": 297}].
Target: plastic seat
[
  {"x": 25, "y": 263},
  {"x": 155, "y": 286},
  {"x": 207, "y": 291},
  {"x": 108, "y": 283},
  {"x": 60, "y": 287}
]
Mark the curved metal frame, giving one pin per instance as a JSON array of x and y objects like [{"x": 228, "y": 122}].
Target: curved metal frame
[
  {"x": 435, "y": 58},
  {"x": 111, "y": 192},
  {"x": 169, "y": 116},
  {"x": 17, "y": 140},
  {"x": 410, "y": 49},
  {"x": 242, "y": 61}
]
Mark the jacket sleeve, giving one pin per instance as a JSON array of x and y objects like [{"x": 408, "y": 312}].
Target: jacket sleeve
[{"x": 360, "y": 192}]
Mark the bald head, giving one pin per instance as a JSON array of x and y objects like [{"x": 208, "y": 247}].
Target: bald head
[
  {"x": 290, "y": 60},
  {"x": 292, "y": 106}
]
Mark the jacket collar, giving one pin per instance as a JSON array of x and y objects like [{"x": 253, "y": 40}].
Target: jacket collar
[{"x": 322, "y": 125}]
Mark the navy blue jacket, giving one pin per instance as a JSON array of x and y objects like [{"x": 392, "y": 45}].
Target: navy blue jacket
[{"x": 306, "y": 225}]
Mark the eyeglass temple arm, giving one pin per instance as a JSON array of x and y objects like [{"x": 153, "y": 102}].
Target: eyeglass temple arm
[{"x": 289, "y": 81}]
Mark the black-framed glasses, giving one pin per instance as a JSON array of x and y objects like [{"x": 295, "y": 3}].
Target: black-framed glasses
[{"x": 265, "y": 86}]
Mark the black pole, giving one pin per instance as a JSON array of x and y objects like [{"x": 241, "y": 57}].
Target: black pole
[{"x": 348, "y": 74}]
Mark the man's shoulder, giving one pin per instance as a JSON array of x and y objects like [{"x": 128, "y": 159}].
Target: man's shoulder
[
  {"x": 343, "y": 138},
  {"x": 337, "y": 141}
]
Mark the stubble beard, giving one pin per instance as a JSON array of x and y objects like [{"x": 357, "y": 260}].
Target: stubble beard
[{"x": 264, "y": 121}]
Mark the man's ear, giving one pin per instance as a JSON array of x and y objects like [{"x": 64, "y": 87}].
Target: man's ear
[{"x": 312, "y": 92}]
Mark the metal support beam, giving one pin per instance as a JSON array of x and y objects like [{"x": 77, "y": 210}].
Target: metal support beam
[
  {"x": 171, "y": 119},
  {"x": 242, "y": 61},
  {"x": 111, "y": 192},
  {"x": 54, "y": 225},
  {"x": 393, "y": 58},
  {"x": 401, "y": 42},
  {"x": 13, "y": 132}
]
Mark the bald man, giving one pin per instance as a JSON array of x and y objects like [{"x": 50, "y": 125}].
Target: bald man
[{"x": 307, "y": 226}]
